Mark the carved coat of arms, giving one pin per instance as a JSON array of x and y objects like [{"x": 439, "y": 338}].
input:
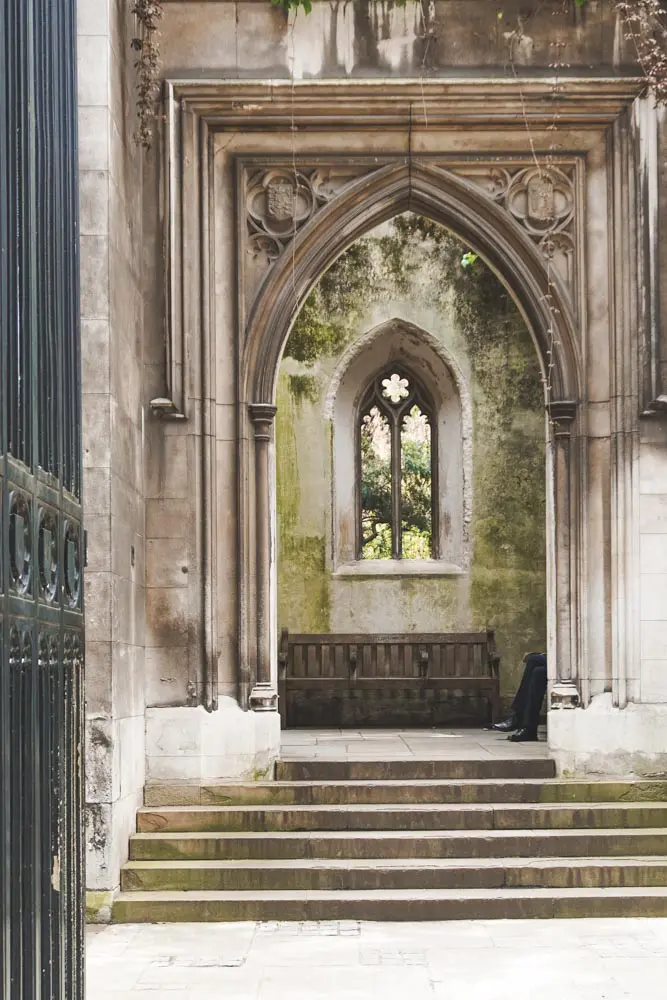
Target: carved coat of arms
[
  {"x": 541, "y": 199},
  {"x": 280, "y": 199}
]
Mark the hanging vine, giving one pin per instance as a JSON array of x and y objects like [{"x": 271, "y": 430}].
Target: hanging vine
[
  {"x": 148, "y": 14},
  {"x": 644, "y": 21}
]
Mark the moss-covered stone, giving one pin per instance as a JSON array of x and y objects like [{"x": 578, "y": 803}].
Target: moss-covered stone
[
  {"x": 99, "y": 906},
  {"x": 475, "y": 317},
  {"x": 287, "y": 473},
  {"x": 304, "y": 599}
]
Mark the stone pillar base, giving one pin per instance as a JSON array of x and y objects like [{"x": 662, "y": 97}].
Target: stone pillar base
[
  {"x": 99, "y": 906},
  {"x": 608, "y": 741},
  {"x": 564, "y": 694},
  {"x": 263, "y": 698},
  {"x": 193, "y": 745}
]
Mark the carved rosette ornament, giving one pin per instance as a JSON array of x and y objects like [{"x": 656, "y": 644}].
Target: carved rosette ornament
[
  {"x": 278, "y": 201},
  {"x": 542, "y": 200}
]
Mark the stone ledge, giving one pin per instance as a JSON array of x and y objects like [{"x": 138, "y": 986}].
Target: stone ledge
[{"x": 398, "y": 568}]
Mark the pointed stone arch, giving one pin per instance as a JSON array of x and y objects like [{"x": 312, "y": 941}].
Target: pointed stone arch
[
  {"x": 397, "y": 340},
  {"x": 456, "y": 204},
  {"x": 464, "y": 209}
]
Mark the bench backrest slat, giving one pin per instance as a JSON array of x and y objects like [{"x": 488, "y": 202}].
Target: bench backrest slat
[
  {"x": 441, "y": 654},
  {"x": 407, "y": 679}
]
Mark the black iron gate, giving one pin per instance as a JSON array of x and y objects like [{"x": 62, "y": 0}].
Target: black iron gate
[{"x": 41, "y": 546}]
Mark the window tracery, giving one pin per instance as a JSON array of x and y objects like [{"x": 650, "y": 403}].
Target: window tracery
[{"x": 396, "y": 472}]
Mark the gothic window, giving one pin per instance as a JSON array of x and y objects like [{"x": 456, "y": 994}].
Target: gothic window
[{"x": 396, "y": 473}]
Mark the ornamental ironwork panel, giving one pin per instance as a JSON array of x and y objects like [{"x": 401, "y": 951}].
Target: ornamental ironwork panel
[{"x": 41, "y": 540}]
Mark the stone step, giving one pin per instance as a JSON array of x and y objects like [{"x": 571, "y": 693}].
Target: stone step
[
  {"x": 400, "y": 844},
  {"x": 402, "y": 792},
  {"x": 356, "y": 876},
  {"x": 396, "y": 904},
  {"x": 414, "y": 770},
  {"x": 415, "y": 817}
]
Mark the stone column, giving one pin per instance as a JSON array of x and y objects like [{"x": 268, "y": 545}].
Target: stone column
[
  {"x": 565, "y": 691},
  {"x": 263, "y": 697}
]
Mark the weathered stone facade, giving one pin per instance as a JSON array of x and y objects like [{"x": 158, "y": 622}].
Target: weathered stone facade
[{"x": 527, "y": 134}]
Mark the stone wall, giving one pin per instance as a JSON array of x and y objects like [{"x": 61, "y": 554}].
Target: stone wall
[
  {"x": 183, "y": 678},
  {"x": 502, "y": 584},
  {"x": 250, "y": 39},
  {"x": 113, "y": 456}
]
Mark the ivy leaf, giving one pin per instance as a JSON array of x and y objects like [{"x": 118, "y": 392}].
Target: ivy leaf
[{"x": 294, "y": 4}]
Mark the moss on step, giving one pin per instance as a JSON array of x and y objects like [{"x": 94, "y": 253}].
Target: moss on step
[{"x": 99, "y": 906}]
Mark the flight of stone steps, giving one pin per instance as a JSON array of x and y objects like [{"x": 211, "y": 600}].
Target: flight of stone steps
[{"x": 399, "y": 840}]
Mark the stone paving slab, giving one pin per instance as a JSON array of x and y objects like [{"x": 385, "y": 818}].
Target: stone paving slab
[
  {"x": 594, "y": 959},
  {"x": 405, "y": 744}
]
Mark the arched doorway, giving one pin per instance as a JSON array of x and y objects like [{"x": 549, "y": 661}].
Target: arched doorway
[
  {"x": 410, "y": 485},
  {"x": 462, "y": 208}
]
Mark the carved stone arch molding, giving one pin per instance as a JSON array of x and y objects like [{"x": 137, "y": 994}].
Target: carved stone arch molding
[
  {"x": 456, "y": 203},
  {"x": 489, "y": 229},
  {"x": 279, "y": 210}
]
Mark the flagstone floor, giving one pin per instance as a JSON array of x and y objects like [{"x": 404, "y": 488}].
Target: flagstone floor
[
  {"x": 601, "y": 959},
  {"x": 405, "y": 744},
  {"x": 588, "y": 959}
]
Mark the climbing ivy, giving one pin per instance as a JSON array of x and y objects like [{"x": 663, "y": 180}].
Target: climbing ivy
[
  {"x": 330, "y": 312},
  {"x": 486, "y": 315}
]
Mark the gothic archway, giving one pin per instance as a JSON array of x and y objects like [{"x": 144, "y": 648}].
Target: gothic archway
[
  {"x": 454, "y": 203},
  {"x": 463, "y": 208}
]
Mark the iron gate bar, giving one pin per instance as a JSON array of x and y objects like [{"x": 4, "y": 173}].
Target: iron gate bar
[{"x": 41, "y": 536}]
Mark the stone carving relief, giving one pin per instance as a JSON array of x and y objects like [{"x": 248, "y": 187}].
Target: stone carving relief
[
  {"x": 542, "y": 200},
  {"x": 278, "y": 201}
]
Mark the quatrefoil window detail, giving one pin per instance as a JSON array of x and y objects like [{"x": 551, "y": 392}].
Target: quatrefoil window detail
[
  {"x": 396, "y": 473},
  {"x": 395, "y": 388}
]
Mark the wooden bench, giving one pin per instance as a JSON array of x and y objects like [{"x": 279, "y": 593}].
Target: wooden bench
[{"x": 388, "y": 680}]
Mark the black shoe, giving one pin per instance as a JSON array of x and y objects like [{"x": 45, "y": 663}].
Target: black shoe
[
  {"x": 524, "y": 735},
  {"x": 508, "y": 726}
]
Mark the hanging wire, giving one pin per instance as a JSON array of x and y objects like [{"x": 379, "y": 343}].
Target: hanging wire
[{"x": 292, "y": 60}]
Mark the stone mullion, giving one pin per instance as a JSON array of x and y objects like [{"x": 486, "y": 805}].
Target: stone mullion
[{"x": 396, "y": 487}]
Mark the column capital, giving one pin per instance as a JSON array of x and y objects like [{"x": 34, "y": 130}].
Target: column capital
[
  {"x": 262, "y": 416},
  {"x": 561, "y": 414},
  {"x": 262, "y": 412}
]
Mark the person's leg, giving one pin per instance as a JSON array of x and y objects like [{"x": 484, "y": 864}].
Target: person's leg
[
  {"x": 533, "y": 660},
  {"x": 531, "y": 714},
  {"x": 515, "y": 721}
]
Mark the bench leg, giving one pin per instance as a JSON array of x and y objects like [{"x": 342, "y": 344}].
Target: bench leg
[{"x": 282, "y": 701}]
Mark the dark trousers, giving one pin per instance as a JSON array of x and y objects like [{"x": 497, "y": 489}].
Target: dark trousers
[{"x": 528, "y": 700}]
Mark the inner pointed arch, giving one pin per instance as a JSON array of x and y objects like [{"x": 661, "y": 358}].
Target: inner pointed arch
[{"x": 443, "y": 198}]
